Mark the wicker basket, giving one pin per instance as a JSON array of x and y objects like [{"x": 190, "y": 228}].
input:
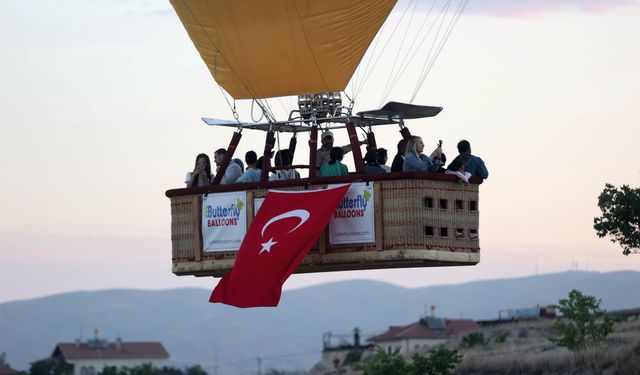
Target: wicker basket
[{"x": 419, "y": 223}]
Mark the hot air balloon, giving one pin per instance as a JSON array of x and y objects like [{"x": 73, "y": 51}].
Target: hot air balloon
[{"x": 257, "y": 49}]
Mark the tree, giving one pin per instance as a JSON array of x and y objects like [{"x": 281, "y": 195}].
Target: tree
[
  {"x": 583, "y": 324},
  {"x": 440, "y": 362},
  {"x": 620, "y": 218},
  {"x": 49, "y": 366},
  {"x": 382, "y": 363},
  {"x": 473, "y": 339}
]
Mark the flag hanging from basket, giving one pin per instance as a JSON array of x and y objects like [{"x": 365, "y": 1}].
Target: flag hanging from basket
[{"x": 280, "y": 236}]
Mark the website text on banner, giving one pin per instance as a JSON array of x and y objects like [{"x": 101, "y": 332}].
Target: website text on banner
[
  {"x": 353, "y": 220},
  {"x": 224, "y": 221}
]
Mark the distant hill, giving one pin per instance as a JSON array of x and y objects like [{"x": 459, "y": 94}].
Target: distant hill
[{"x": 290, "y": 336}]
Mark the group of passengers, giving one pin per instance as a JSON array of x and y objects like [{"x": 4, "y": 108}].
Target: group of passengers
[{"x": 329, "y": 163}]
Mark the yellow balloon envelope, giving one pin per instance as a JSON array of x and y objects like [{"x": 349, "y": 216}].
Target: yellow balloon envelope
[{"x": 267, "y": 48}]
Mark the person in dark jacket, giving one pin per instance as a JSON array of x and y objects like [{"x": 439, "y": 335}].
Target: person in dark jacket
[
  {"x": 398, "y": 161},
  {"x": 472, "y": 163},
  {"x": 371, "y": 163}
]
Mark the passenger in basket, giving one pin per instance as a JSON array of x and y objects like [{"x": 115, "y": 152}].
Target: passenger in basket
[
  {"x": 382, "y": 159},
  {"x": 472, "y": 163},
  {"x": 457, "y": 168},
  {"x": 233, "y": 170},
  {"x": 283, "y": 158},
  {"x": 334, "y": 167},
  {"x": 416, "y": 161},
  {"x": 201, "y": 175},
  {"x": 371, "y": 163},
  {"x": 252, "y": 174},
  {"x": 398, "y": 161},
  {"x": 324, "y": 152}
]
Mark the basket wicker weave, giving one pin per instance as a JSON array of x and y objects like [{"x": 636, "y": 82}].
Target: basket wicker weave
[{"x": 419, "y": 223}]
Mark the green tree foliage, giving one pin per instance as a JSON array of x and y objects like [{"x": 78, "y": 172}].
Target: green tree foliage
[
  {"x": 473, "y": 339},
  {"x": 440, "y": 362},
  {"x": 195, "y": 370},
  {"x": 583, "y": 324},
  {"x": 273, "y": 371},
  {"x": 620, "y": 218},
  {"x": 353, "y": 357},
  {"x": 49, "y": 366},
  {"x": 148, "y": 369},
  {"x": 382, "y": 363}
]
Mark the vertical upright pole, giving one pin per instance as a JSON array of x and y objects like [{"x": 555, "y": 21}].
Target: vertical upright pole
[
  {"x": 266, "y": 155},
  {"x": 371, "y": 141},
  {"x": 292, "y": 146},
  {"x": 355, "y": 147},
  {"x": 313, "y": 151},
  {"x": 227, "y": 157}
]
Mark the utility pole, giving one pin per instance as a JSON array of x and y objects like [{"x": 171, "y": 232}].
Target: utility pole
[{"x": 259, "y": 366}]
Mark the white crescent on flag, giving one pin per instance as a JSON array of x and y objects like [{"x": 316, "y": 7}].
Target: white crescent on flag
[{"x": 303, "y": 215}]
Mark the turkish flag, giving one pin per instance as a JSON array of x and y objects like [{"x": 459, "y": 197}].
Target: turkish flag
[{"x": 280, "y": 236}]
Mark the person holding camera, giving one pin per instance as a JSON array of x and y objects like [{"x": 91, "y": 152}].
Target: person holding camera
[
  {"x": 201, "y": 175},
  {"x": 416, "y": 161}
]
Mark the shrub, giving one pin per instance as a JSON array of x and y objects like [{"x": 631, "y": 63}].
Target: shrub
[
  {"x": 440, "y": 362},
  {"x": 473, "y": 339},
  {"x": 583, "y": 324}
]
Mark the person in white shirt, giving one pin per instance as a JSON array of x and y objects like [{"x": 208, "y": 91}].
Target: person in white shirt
[
  {"x": 233, "y": 170},
  {"x": 252, "y": 174}
]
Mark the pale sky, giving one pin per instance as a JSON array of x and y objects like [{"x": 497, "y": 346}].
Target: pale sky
[{"x": 100, "y": 106}]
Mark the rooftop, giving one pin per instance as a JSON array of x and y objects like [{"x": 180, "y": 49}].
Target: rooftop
[
  {"x": 427, "y": 328},
  {"x": 114, "y": 350}
]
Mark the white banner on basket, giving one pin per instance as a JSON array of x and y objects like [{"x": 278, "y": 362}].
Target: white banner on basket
[
  {"x": 353, "y": 220},
  {"x": 224, "y": 221}
]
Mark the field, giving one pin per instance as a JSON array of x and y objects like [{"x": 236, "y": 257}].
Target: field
[{"x": 524, "y": 348}]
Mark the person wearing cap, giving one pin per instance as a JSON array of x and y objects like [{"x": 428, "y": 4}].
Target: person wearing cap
[{"x": 324, "y": 152}]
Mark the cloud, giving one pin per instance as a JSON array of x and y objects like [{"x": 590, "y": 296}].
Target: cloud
[{"x": 535, "y": 8}]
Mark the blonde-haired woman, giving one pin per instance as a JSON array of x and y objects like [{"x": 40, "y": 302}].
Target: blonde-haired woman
[{"x": 416, "y": 161}]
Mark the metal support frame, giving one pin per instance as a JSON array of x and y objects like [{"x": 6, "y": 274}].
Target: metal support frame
[
  {"x": 313, "y": 150},
  {"x": 269, "y": 143},
  {"x": 292, "y": 145},
  {"x": 371, "y": 141},
  {"x": 406, "y": 133},
  {"x": 355, "y": 147},
  {"x": 227, "y": 157}
]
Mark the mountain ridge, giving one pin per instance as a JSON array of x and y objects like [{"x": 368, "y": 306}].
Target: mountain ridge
[{"x": 195, "y": 331}]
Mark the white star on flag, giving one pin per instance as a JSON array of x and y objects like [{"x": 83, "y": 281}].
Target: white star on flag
[{"x": 267, "y": 246}]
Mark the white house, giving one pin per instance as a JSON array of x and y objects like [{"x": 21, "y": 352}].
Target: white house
[
  {"x": 92, "y": 356},
  {"x": 425, "y": 333}
]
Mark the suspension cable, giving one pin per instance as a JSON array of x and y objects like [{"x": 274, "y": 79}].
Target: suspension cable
[
  {"x": 395, "y": 60},
  {"x": 367, "y": 74},
  {"x": 461, "y": 7},
  {"x": 408, "y": 59}
]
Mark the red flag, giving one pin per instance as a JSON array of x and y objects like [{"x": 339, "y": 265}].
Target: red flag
[{"x": 280, "y": 236}]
